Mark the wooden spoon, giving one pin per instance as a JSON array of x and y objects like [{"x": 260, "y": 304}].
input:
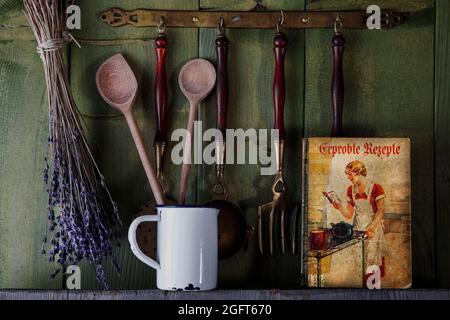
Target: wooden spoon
[
  {"x": 197, "y": 78},
  {"x": 146, "y": 231},
  {"x": 117, "y": 85}
]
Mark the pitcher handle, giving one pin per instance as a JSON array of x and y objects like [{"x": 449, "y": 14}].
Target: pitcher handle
[{"x": 133, "y": 242}]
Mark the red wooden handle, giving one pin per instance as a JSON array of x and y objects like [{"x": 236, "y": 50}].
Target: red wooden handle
[
  {"x": 222, "y": 83},
  {"x": 337, "y": 86},
  {"x": 279, "y": 89},
  {"x": 160, "y": 95}
]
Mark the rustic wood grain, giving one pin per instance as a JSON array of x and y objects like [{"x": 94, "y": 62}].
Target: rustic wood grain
[
  {"x": 107, "y": 129},
  {"x": 389, "y": 78},
  {"x": 442, "y": 142},
  {"x": 33, "y": 295},
  {"x": 13, "y": 24},
  {"x": 250, "y": 105},
  {"x": 10, "y": 8},
  {"x": 394, "y": 5},
  {"x": 230, "y": 295},
  {"x": 389, "y": 93},
  {"x": 23, "y": 141}
]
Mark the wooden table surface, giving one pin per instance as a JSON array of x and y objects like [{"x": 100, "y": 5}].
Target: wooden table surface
[{"x": 230, "y": 295}]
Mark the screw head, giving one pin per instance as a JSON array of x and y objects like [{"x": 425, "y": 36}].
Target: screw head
[{"x": 305, "y": 19}]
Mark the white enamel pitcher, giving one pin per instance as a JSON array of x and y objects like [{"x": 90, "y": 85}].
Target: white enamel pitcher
[{"x": 186, "y": 250}]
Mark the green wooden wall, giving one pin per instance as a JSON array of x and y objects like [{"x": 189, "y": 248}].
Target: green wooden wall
[{"x": 396, "y": 85}]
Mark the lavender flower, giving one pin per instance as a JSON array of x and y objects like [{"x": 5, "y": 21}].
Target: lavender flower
[{"x": 83, "y": 220}]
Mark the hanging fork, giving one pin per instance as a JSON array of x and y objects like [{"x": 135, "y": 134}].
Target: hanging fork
[{"x": 278, "y": 204}]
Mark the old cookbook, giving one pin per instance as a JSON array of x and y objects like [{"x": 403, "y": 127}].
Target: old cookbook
[{"x": 356, "y": 212}]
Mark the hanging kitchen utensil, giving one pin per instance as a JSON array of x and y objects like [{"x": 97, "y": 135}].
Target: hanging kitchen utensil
[
  {"x": 146, "y": 232},
  {"x": 233, "y": 228},
  {"x": 118, "y": 86},
  {"x": 337, "y": 85},
  {"x": 160, "y": 101},
  {"x": 279, "y": 206},
  {"x": 197, "y": 79},
  {"x": 341, "y": 230}
]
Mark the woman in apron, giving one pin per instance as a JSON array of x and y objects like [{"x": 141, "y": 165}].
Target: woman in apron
[{"x": 365, "y": 205}]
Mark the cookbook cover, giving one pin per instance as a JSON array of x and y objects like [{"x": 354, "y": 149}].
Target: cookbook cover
[{"x": 357, "y": 212}]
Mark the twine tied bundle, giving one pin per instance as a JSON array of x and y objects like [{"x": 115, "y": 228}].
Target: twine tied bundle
[
  {"x": 56, "y": 44},
  {"x": 83, "y": 220}
]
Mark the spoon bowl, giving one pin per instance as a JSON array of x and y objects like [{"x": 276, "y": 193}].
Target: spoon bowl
[
  {"x": 196, "y": 80},
  {"x": 116, "y": 83}
]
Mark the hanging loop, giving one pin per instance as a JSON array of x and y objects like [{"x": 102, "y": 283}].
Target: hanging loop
[
  {"x": 162, "y": 25},
  {"x": 281, "y": 21},
  {"x": 221, "y": 27},
  {"x": 338, "y": 25}
]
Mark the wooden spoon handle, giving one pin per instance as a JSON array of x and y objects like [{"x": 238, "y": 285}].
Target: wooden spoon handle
[
  {"x": 279, "y": 90},
  {"x": 337, "y": 85},
  {"x": 187, "y": 155},
  {"x": 143, "y": 154},
  {"x": 160, "y": 96},
  {"x": 222, "y": 83}
]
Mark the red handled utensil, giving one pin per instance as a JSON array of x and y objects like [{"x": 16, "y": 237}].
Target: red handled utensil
[
  {"x": 279, "y": 206},
  {"x": 233, "y": 228},
  {"x": 160, "y": 98},
  {"x": 337, "y": 84},
  {"x": 146, "y": 232}
]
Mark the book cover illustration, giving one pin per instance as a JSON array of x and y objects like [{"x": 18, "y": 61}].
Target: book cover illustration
[{"x": 357, "y": 212}]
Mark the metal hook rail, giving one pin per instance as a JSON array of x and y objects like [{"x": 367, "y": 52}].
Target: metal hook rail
[{"x": 116, "y": 17}]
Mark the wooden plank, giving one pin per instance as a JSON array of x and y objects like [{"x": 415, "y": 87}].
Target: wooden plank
[
  {"x": 23, "y": 138},
  {"x": 394, "y": 5},
  {"x": 10, "y": 8},
  {"x": 392, "y": 69},
  {"x": 442, "y": 143},
  {"x": 232, "y": 295},
  {"x": 363, "y": 294},
  {"x": 14, "y": 25},
  {"x": 107, "y": 130},
  {"x": 389, "y": 93},
  {"x": 251, "y": 67},
  {"x": 230, "y": 5},
  {"x": 33, "y": 295}
]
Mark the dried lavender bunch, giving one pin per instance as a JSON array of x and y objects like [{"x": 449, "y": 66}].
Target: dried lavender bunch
[{"x": 83, "y": 220}]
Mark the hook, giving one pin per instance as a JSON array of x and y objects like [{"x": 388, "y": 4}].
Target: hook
[
  {"x": 221, "y": 27},
  {"x": 338, "y": 25},
  {"x": 280, "y": 22},
  {"x": 162, "y": 25}
]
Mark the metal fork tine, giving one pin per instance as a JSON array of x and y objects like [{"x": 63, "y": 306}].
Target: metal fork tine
[
  {"x": 292, "y": 212},
  {"x": 282, "y": 230},
  {"x": 271, "y": 228},
  {"x": 260, "y": 240}
]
